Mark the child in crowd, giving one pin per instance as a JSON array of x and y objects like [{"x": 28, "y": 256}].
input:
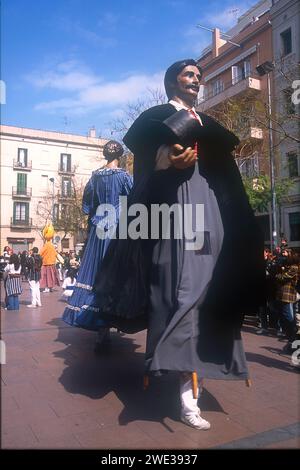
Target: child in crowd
[
  {"x": 13, "y": 286},
  {"x": 69, "y": 283}
]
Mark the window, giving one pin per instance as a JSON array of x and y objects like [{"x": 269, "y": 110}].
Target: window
[
  {"x": 55, "y": 213},
  {"x": 21, "y": 212},
  {"x": 286, "y": 42},
  {"x": 247, "y": 68},
  {"x": 22, "y": 157},
  {"x": 292, "y": 159},
  {"x": 249, "y": 167},
  {"x": 240, "y": 72},
  {"x": 206, "y": 92},
  {"x": 21, "y": 183},
  {"x": 65, "y": 211},
  {"x": 201, "y": 94},
  {"x": 234, "y": 74},
  {"x": 294, "y": 221},
  {"x": 289, "y": 107},
  {"x": 65, "y": 162},
  {"x": 217, "y": 87},
  {"x": 44, "y": 183},
  {"x": 66, "y": 189}
]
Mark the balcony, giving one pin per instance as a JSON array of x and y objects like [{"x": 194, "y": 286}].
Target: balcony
[
  {"x": 242, "y": 86},
  {"x": 66, "y": 169},
  {"x": 24, "y": 193},
  {"x": 24, "y": 166},
  {"x": 66, "y": 195},
  {"x": 21, "y": 223}
]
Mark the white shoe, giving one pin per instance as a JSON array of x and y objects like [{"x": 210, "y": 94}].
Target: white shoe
[
  {"x": 195, "y": 421},
  {"x": 31, "y": 306},
  {"x": 46, "y": 289}
]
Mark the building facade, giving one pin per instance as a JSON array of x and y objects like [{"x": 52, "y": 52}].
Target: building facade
[
  {"x": 230, "y": 75},
  {"x": 285, "y": 19},
  {"x": 39, "y": 170}
]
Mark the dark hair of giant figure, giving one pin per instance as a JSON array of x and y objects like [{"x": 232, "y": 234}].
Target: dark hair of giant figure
[
  {"x": 112, "y": 150},
  {"x": 170, "y": 80}
]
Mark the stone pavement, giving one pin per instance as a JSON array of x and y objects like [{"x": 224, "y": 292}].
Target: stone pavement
[{"x": 56, "y": 393}]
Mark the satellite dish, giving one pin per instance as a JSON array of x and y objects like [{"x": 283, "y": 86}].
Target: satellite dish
[{"x": 57, "y": 239}]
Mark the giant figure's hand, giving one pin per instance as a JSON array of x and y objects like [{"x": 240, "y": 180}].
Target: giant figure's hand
[{"x": 182, "y": 158}]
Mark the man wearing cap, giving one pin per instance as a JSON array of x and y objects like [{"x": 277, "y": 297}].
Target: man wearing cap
[{"x": 196, "y": 297}]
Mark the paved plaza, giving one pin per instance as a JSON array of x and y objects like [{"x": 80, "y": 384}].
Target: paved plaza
[{"x": 57, "y": 393}]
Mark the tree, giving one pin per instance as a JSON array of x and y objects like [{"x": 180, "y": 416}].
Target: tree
[
  {"x": 239, "y": 115},
  {"x": 120, "y": 125},
  {"x": 259, "y": 191},
  {"x": 65, "y": 211}
]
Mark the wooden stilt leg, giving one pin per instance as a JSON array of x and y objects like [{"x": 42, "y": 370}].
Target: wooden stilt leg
[
  {"x": 195, "y": 384},
  {"x": 248, "y": 383},
  {"x": 146, "y": 382}
]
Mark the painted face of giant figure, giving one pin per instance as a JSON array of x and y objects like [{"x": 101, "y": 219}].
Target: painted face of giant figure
[
  {"x": 182, "y": 81},
  {"x": 188, "y": 83}
]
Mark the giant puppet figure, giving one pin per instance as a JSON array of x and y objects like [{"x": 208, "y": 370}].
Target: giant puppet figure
[
  {"x": 103, "y": 188},
  {"x": 49, "y": 274},
  {"x": 192, "y": 300}
]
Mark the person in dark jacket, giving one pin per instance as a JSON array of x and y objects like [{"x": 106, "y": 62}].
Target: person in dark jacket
[
  {"x": 23, "y": 261},
  {"x": 34, "y": 266},
  {"x": 191, "y": 300}
]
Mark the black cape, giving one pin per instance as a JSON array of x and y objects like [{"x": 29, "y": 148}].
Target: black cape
[{"x": 237, "y": 284}]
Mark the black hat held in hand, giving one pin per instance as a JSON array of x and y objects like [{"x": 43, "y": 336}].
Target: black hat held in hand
[{"x": 180, "y": 128}]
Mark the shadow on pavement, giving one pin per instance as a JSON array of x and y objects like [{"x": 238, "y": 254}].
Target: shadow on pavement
[
  {"x": 120, "y": 371},
  {"x": 270, "y": 362}
]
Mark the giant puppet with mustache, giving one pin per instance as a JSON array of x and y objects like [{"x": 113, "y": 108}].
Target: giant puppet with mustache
[{"x": 192, "y": 301}]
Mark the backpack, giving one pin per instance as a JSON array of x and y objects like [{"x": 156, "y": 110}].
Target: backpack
[{"x": 38, "y": 262}]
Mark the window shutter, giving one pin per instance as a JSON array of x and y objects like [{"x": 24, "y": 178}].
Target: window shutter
[
  {"x": 247, "y": 68},
  {"x": 234, "y": 74},
  {"x": 21, "y": 183},
  {"x": 26, "y": 212}
]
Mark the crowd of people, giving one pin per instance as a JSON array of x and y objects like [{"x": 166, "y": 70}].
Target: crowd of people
[
  {"x": 33, "y": 266},
  {"x": 280, "y": 313}
]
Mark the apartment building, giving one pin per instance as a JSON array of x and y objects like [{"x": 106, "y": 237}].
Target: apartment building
[
  {"x": 230, "y": 74},
  {"x": 38, "y": 171},
  {"x": 285, "y": 19}
]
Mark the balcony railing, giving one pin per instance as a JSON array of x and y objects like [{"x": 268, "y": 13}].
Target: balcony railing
[
  {"x": 27, "y": 222},
  {"x": 66, "y": 169},
  {"x": 66, "y": 195},
  {"x": 21, "y": 192},
  {"x": 24, "y": 166},
  {"x": 240, "y": 84}
]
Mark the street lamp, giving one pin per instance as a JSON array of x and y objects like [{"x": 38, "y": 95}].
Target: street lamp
[
  {"x": 52, "y": 212},
  {"x": 265, "y": 69}
]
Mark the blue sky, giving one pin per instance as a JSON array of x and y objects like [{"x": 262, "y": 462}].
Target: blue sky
[{"x": 72, "y": 64}]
